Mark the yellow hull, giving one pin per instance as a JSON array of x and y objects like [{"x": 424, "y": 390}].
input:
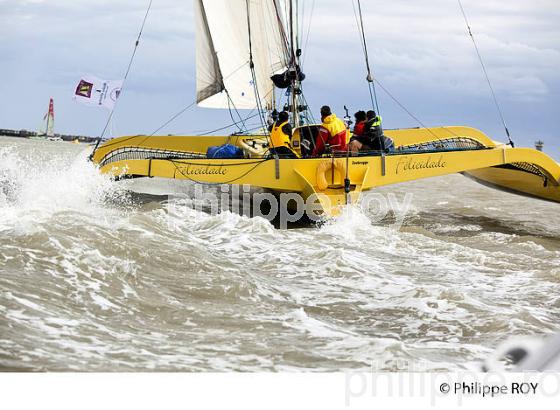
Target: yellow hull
[
  {"x": 516, "y": 180},
  {"x": 422, "y": 153}
]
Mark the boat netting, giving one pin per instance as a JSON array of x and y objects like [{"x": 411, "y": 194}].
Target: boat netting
[
  {"x": 525, "y": 166},
  {"x": 131, "y": 153},
  {"x": 440, "y": 145},
  {"x": 456, "y": 143}
]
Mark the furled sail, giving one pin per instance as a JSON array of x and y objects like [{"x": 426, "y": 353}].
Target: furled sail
[{"x": 224, "y": 78}]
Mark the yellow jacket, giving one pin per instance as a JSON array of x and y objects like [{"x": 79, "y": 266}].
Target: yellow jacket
[
  {"x": 278, "y": 137},
  {"x": 333, "y": 125},
  {"x": 333, "y": 132}
]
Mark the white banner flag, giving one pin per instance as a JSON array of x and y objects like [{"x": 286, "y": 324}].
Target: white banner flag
[{"x": 94, "y": 91}]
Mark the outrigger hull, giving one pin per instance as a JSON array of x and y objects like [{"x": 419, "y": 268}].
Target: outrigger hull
[
  {"x": 421, "y": 153},
  {"x": 517, "y": 179}
]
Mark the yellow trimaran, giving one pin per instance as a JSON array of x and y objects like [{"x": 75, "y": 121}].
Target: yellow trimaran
[
  {"x": 234, "y": 66},
  {"x": 519, "y": 170}
]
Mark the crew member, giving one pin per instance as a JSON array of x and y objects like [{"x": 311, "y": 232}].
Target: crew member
[
  {"x": 332, "y": 132},
  {"x": 372, "y": 137},
  {"x": 361, "y": 119},
  {"x": 379, "y": 142},
  {"x": 281, "y": 136},
  {"x": 360, "y": 139},
  {"x": 373, "y": 123}
]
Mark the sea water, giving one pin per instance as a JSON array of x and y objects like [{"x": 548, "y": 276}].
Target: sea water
[{"x": 94, "y": 277}]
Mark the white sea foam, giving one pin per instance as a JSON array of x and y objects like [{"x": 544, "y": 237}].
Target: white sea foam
[{"x": 36, "y": 187}]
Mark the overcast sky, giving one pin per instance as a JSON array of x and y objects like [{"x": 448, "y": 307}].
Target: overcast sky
[{"x": 420, "y": 51}]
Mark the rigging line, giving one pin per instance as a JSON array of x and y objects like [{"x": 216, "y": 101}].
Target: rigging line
[
  {"x": 308, "y": 111},
  {"x": 230, "y": 104},
  {"x": 254, "y": 127},
  {"x": 297, "y": 25},
  {"x": 369, "y": 78},
  {"x": 364, "y": 39},
  {"x": 373, "y": 97},
  {"x": 308, "y": 32},
  {"x": 185, "y": 109},
  {"x": 224, "y": 127},
  {"x": 252, "y": 67},
  {"x": 485, "y": 73},
  {"x": 109, "y": 144},
  {"x": 124, "y": 79},
  {"x": 301, "y": 27},
  {"x": 405, "y": 109},
  {"x": 168, "y": 122},
  {"x": 227, "y": 77},
  {"x": 250, "y": 114},
  {"x": 282, "y": 30},
  {"x": 197, "y": 134},
  {"x": 374, "y": 80},
  {"x": 173, "y": 118},
  {"x": 234, "y": 122},
  {"x": 259, "y": 102},
  {"x": 242, "y": 120},
  {"x": 230, "y": 100}
]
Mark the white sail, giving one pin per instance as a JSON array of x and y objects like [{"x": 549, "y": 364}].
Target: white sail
[
  {"x": 50, "y": 127},
  {"x": 224, "y": 78},
  {"x": 50, "y": 119}
]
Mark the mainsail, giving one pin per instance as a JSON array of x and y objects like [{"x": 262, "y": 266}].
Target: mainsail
[{"x": 223, "y": 73}]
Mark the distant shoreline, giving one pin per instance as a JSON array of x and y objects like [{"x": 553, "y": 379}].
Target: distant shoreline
[{"x": 28, "y": 134}]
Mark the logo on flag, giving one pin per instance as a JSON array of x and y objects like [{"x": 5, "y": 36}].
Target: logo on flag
[
  {"x": 115, "y": 94},
  {"x": 84, "y": 89}
]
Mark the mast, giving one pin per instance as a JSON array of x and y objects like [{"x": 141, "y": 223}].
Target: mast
[
  {"x": 294, "y": 68},
  {"x": 292, "y": 63}
]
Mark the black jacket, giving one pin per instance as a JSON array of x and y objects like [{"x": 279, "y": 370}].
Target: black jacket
[{"x": 373, "y": 137}]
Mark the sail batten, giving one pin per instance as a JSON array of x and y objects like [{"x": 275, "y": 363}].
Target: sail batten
[{"x": 224, "y": 77}]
